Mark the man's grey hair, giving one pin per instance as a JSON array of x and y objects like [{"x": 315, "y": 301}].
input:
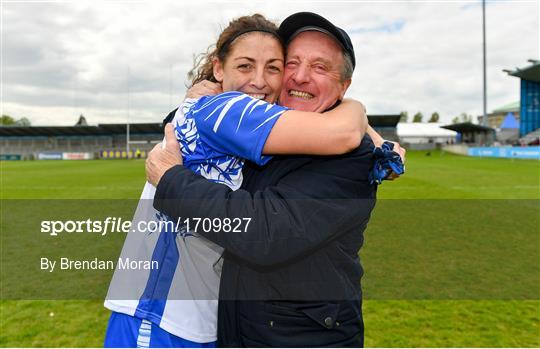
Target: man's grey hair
[{"x": 347, "y": 69}]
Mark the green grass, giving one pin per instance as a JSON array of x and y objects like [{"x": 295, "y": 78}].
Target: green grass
[
  {"x": 430, "y": 280},
  {"x": 439, "y": 176},
  {"x": 60, "y": 323},
  {"x": 462, "y": 323},
  {"x": 92, "y": 179},
  {"x": 448, "y": 176}
]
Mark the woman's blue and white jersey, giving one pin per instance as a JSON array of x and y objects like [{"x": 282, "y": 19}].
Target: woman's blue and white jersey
[{"x": 216, "y": 134}]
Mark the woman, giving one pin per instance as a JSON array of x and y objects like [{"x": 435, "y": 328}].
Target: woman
[{"x": 175, "y": 305}]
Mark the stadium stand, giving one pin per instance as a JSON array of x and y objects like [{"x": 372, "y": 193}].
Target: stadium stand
[
  {"x": 386, "y": 125},
  {"x": 108, "y": 141},
  {"x": 472, "y": 134},
  {"x": 531, "y": 138},
  {"x": 529, "y": 96},
  {"x": 30, "y": 141}
]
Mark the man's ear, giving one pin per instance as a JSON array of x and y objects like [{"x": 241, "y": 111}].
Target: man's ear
[
  {"x": 217, "y": 69},
  {"x": 345, "y": 86}
]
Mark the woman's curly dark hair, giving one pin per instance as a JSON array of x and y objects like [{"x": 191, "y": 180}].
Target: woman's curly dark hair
[{"x": 203, "y": 66}]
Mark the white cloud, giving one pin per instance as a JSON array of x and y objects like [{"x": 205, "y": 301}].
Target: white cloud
[{"x": 67, "y": 58}]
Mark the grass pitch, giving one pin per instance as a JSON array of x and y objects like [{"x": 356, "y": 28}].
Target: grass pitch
[
  {"x": 485, "y": 296},
  {"x": 437, "y": 176}
]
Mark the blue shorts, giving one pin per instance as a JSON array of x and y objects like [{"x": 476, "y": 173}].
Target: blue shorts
[{"x": 126, "y": 331}]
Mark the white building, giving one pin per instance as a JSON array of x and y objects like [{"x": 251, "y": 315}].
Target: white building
[{"x": 425, "y": 133}]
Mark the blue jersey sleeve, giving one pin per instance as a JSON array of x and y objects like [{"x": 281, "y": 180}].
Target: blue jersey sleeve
[{"x": 236, "y": 124}]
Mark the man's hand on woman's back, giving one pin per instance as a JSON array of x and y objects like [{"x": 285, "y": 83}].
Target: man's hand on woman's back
[{"x": 163, "y": 156}]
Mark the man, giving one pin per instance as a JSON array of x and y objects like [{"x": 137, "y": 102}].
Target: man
[{"x": 291, "y": 276}]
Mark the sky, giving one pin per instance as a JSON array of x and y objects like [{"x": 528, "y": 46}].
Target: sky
[{"x": 115, "y": 61}]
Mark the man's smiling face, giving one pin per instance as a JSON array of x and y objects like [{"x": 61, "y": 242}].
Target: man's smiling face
[{"x": 312, "y": 78}]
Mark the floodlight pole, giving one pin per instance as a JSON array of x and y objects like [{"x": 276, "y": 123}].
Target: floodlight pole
[
  {"x": 128, "y": 111},
  {"x": 484, "y": 119}
]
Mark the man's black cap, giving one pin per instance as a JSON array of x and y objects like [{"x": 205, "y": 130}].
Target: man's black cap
[{"x": 309, "y": 21}]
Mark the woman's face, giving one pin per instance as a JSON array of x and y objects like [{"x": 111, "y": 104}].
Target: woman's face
[{"x": 254, "y": 66}]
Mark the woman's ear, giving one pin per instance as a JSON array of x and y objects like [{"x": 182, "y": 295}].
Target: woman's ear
[{"x": 218, "y": 69}]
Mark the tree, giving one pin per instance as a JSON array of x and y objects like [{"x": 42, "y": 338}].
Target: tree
[
  {"x": 434, "y": 117},
  {"x": 22, "y": 122},
  {"x": 465, "y": 117},
  {"x": 418, "y": 117},
  {"x": 403, "y": 116},
  {"x": 7, "y": 120}
]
